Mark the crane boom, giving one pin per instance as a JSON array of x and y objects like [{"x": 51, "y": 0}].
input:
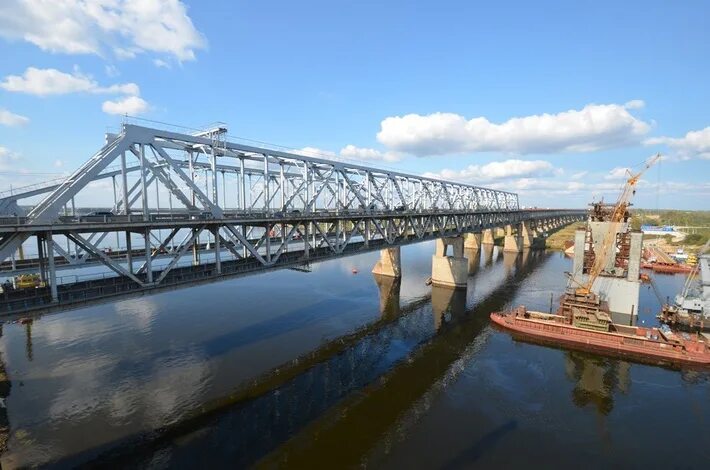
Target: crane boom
[{"x": 617, "y": 215}]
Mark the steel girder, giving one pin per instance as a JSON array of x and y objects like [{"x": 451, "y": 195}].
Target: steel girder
[{"x": 260, "y": 180}]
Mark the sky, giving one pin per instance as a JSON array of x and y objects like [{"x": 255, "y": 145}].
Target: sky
[{"x": 554, "y": 100}]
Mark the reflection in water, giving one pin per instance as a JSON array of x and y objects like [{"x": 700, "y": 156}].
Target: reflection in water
[
  {"x": 389, "y": 295},
  {"x": 446, "y": 303},
  {"x": 362, "y": 387},
  {"x": 28, "y": 340},
  {"x": 488, "y": 251},
  {"x": 481, "y": 446},
  {"x": 367, "y": 420},
  {"x": 473, "y": 255},
  {"x": 509, "y": 261},
  {"x": 596, "y": 378}
]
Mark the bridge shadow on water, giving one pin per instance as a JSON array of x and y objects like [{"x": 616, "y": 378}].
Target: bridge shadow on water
[{"x": 349, "y": 390}]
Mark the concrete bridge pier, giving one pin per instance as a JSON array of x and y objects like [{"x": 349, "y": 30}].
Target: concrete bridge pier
[
  {"x": 474, "y": 259},
  {"x": 389, "y": 263},
  {"x": 488, "y": 238},
  {"x": 526, "y": 235},
  {"x": 512, "y": 242},
  {"x": 449, "y": 271},
  {"x": 446, "y": 303},
  {"x": 472, "y": 241}
]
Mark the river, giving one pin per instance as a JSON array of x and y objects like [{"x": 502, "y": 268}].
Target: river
[{"x": 333, "y": 368}]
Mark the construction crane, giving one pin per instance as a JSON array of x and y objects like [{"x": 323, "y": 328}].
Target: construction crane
[
  {"x": 694, "y": 272},
  {"x": 617, "y": 216}
]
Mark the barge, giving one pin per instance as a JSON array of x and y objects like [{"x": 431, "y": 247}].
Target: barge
[{"x": 656, "y": 345}]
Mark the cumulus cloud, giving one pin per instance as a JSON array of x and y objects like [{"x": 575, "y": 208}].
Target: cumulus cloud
[
  {"x": 125, "y": 27},
  {"x": 161, "y": 63},
  {"x": 44, "y": 82},
  {"x": 368, "y": 154},
  {"x": 133, "y": 105},
  {"x": 10, "y": 119},
  {"x": 315, "y": 152},
  {"x": 618, "y": 173},
  {"x": 496, "y": 171},
  {"x": 592, "y": 128},
  {"x": 695, "y": 144},
  {"x": 350, "y": 152}
]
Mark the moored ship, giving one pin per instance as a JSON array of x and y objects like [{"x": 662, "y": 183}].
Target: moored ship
[
  {"x": 604, "y": 282},
  {"x": 594, "y": 331}
]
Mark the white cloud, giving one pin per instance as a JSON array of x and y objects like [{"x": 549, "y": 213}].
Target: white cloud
[
  {"x": 496, "y": 171},
  {"x": 618, "y": 173},
  {"x": 350, "y": 152},
  {"x": 132, "y": 105},
  {"x": 315, "y": 152},
  {"x": 10, "y": 119},
  {"x": 43, "y": 82},
  {"x": 111, "y": 71},
  {"x": 368, "y": 154},
  {"x": 58, "y": 163},
  {"x": 634, "y": 104},
  {"x": 592, "y": 128},
  {"x": 127, "y": 27},
  {"x": 7, "y": 158},
  {"x": 161, "y": 63},
  {"x": 579, "y": 175},
  {"x": 695, "y": 144}
]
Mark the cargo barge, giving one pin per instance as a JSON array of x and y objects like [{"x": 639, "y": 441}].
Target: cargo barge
[
  {"x": 600, "y": 335},
  {"x": 605, "y": 280}
]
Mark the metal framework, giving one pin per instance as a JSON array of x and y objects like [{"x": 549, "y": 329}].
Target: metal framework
[{"x": 251, "y": 205}]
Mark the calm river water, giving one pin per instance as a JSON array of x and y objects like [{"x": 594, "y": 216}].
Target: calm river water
[{"x": 332, "y": 369}]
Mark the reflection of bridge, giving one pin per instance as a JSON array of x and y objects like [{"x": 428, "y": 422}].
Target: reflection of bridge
[
  {"x": 273, "y": 210},
  {"x": 269, "y": 410}
]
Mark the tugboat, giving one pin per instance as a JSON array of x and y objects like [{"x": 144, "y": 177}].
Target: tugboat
[{"x": 606, "y": 281}]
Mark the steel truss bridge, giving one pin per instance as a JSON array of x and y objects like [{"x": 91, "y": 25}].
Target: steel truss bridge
[{"x": 188, "y": 208}]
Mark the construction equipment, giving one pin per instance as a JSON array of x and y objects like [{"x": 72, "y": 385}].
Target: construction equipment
[
  {"x": 694, "y": 272},
  {"x": 618, "y": 214}
]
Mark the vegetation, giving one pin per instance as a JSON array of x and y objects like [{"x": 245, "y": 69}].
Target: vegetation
[
  {"x": 699, "y": 220},
  {"x": 556, "y": 240}
]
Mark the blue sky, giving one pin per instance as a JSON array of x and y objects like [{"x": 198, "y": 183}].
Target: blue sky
[{"x": 549, "y": 99}]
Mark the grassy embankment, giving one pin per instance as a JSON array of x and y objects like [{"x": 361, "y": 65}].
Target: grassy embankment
[
  {"x": 696, "y": 236},
  {"x": 694, "y": 240},
  {"x": 556, "y": 240}
]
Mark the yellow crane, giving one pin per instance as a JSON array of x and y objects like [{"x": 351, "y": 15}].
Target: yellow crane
[{"x": 617, "y": 216}]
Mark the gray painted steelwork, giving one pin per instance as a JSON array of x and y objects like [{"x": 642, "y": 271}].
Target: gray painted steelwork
[{"x": 275, "y": 203}]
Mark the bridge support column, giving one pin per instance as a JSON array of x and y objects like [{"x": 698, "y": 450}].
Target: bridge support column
[
  {"x": 474, "y": 259},
  {"x": 472, "y": 241},
  {"x": 51, "y": 269},
  {"x": 148, "y": 253},
  {"x": 129, "y": 252},
  {"x": 578, "y": 259},
  {"x": 488, "y": 237},
  {"x": 389, "y": 263},
  {"x": 217, "y": 248},
  {"x": 512, "y": 242},
  {"x": 449, "y": 271},
  {"x": 633, "y": 269},
  {"x": 526, "y": 234},
  {"x": 40, "y": 259}
]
